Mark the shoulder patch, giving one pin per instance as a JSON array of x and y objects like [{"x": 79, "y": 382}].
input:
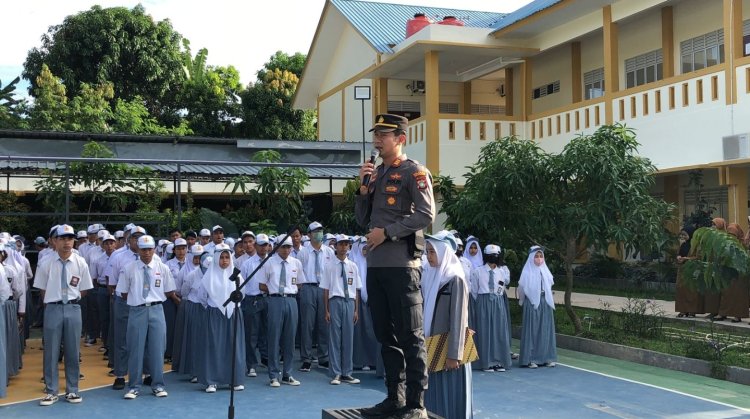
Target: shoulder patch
[{"x": 418, "y": 174}]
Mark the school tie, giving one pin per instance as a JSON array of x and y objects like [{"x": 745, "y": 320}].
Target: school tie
[
  {"x": 492, "y": 281},
  {"x": 282, "y": 277},
  {"x": 317, "y": 265},
  {"x": 146, "y": 282},
  {"x": 343, "y": 277},
  {"x": 64, "y": 281},
  {"x": 179, "y": 264}
]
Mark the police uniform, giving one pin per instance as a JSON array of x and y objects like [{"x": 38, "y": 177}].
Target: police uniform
[
  {"x": 282, "y": 312},
  {"x": 63, "y": 282},
  {"x": 146, "y": 287},
  {"x": 400, "y": 201}
]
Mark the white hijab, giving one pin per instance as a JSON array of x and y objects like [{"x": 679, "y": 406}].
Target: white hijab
[
  {"x": 356, "y": 256},
  {"x": 434, "y": 278},
  {"x": 534, "y": 280},
  {"x": 216, "y": 281},
  {"x": 476, "y": 260}
]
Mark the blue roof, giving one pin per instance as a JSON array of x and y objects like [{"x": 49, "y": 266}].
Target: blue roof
[
  {"x": 384, "y": 24},
  {"x": 522, "y": 13}
]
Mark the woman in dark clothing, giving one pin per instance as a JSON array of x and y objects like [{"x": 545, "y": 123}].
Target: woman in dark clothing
[{"x": 687, "y": 300}]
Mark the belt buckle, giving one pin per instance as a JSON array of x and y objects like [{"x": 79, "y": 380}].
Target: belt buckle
[{"x": 148, "y": 304}]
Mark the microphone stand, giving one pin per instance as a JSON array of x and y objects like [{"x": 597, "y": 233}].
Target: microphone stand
[{"x": 236, "y": 297}]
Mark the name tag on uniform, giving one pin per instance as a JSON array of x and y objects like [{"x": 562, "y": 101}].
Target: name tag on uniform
[
  {"x": 157, "y": 282},
  {"x": 350, "y": 281},
  {"x": 74, "y": 281},
  {"x": 294, "y": 280}
]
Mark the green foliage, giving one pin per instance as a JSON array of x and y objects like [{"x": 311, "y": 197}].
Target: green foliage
[
  {"x": 267, "y": 109},
  {"x": 642, "y": 318},
  {"x": 50, "y": 110},
  {"x": 132, "y": 117},
  {"x": 342, "y": 217},
  {"x": 594, "y": 193},
  {"x": 703, "y": 212},
  {"x": 277, "y": 194},
  {"x": 16, "y": 224},
  {"x": 89, "y": 111},
  {"x": 282, "y": 61},
  {"x": 12, "y": 110},
  {"x": 125, "y": 47},
  {"x": 720, "y": 257}
]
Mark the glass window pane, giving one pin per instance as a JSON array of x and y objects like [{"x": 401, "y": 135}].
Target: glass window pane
[
  {"x": 699, "y": 59},
  {"x": 687, "y": 63},
  {"x": 631, "y": 79},
  {"x": 640, "y": 76},
  {"x": 721, "y": 53},
  {"x": 650, "y": 74},
  {"x": 659, "y": 71},
  {"x": 712, "y": 56}
]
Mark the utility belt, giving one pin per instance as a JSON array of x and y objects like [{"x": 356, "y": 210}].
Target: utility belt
[{"x": 414, "y": 244}]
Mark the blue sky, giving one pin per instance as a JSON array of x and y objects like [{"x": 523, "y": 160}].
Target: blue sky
[{"x": 240, "y": 33}]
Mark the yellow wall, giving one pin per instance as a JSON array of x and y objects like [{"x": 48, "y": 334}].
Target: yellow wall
[
  {"x": 484, "y": 92},
  {"x": 592, "y": 52},
  {"x": 693, "y": 18},
  {"x": 549, "y": 67},
  {"x": 638, "y": 36}
]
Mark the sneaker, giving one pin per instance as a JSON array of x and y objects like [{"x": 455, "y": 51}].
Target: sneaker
[
  {"x": 489, "y": 369},
  {"x": 193, "y": 379},
  {"x": 147, "y": 380},
  {"x": 366, "y": 368},
  {"x": 385, "y": 408},
  {"x": 111, "y": 373},
  {"x": 513, "y": 355},
  {"x": 73, "y": 398},
  {"x": 305, "y": 367},
  {"x": 81, "y": 376},
  {"x": 239, "y": 387},
  {"x": 349, "y": 379},
  {"x": 499, "y": 368},
  {"x": 251, "y": 373},
  {"x": 48, "y": 400},
  {"x": 551, "y": 364},
  {"x": 412, "y": 413},
  {"x": 275, "y": 383},
  {"x": 90, "y": 342},
  {"x": 211, "y": 388},
  {"x": 336, "y": 380},
  {"x": 290, "y": 381},
  {"x": 160, "y": 392},
  {"x": 131, "y": 394},
  {"x": 119, "y": 384},
  {"x": 102, "y": 349},
  {"x": 323, "y": 365},
  {"x": 533, "y": 365}
]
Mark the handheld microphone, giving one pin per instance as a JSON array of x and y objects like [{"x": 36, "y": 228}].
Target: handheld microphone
[{"x": 373, "y": 156}]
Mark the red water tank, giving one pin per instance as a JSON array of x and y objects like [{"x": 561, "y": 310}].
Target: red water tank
[
  {"x": 415, "y": 25},
  {"x": 451, "y": 20}
]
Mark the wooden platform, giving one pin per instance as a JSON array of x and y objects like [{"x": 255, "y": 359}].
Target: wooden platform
[{"x": 354, "y": 414}]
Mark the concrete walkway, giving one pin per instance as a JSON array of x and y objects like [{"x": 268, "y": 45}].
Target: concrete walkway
[{"x": 617, "y": 303}]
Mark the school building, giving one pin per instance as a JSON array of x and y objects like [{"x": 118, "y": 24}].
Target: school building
[{"x": 677, "y": 71}]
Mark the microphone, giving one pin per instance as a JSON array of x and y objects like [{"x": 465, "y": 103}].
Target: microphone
[{"x": 373, "y": 156}]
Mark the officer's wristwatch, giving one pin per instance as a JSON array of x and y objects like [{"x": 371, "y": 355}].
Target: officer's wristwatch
[{"x": 393, "y": 238}]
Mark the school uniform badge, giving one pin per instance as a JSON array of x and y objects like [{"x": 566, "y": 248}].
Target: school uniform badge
[{"x": 74, "y": 281}]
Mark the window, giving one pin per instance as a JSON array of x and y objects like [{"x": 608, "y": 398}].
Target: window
[
  {"x": 593, "y": 83},
  {"x": 702, "y": 51},
  {"x": 547, "y": 89},
  {"x": 448, "y": 108},
  {"x": 487, "y": 109},
  {"x": 644, "y": 68}
]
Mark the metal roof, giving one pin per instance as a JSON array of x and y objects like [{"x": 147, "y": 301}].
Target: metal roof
[
  {"x": 384, "y": 24},
  {"x": 522, "y": 13}
]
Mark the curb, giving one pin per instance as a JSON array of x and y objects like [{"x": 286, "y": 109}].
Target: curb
[{"x": 655, "y": 359}]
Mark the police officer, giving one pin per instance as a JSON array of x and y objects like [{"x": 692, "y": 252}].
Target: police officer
[{"x": 396, "y": 204}]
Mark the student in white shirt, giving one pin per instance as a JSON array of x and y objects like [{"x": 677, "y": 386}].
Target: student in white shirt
[
  {"x": 145, "y": 285},
  {"x": 63, "y": 281},
  {"x": 341, "y": 285},
  {"x": 255, "y": 304},
  {"x": 279, "y": 278}
]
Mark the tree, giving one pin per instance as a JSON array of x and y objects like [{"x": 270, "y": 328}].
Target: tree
[
  {"x": 138, "y": 56},
  {"x": 12, "y": 110},
  {"x": 719, "y": 257},
  {"x": 268, "y": 112},
  {"x": 50, "y": 110},
  {"x": 284, "y": 62},
  {"x": 210, "y": 95},
  {"x": 595, "y": 193},
  {"x": 132, "y": 117}
]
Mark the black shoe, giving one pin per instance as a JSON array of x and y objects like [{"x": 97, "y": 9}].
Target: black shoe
[
  {"x": 305, "y": 367},
  {"x": 264, "y": 362},
  {"x": 411, "y": 413},
  {"x": 147, "y": 380},
  {"x": 385, "y": 408},
  {"x": 323, "y": 365},
  {"x": 119, "y": 384}
]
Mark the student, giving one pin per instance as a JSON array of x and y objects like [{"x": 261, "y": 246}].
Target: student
[
  {"x": 279, "y": 278},
  {"x": 216, "y": 353},
  {"x": 446, "y": 298},
  {"x": 255, "y": 306},
  {"x": 98, "y": 265},
  {"x": 175, "y": 265},
  {"x": 341, "y": 286},
  {"x": 312, "y": 312},
  {"x": 64, "y": 279},
  {"x": 195, "y": 316},
  {"x": 538, "y": 345},
  {"x": 5, "y": 293},
  {"x": 488, "y": 284},
  {"x": 145, "y": 285},
  {"x": 473, "y": 252},
  {"x": 366, "y": 347}
]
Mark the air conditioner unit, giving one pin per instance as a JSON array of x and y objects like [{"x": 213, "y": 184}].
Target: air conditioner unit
[
  {"x": 416, "y": 86},
  {"x": 736, "y": 146}
]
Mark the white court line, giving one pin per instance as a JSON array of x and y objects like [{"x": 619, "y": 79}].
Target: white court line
[{"x": 657, "y": 387}]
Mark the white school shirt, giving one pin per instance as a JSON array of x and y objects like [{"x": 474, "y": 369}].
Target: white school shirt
[
  {"x": 97, "y": 267},
  {"x": 269, "y": 275},
  {"x": 131, "y": 282},
  {"x": 48, "y": 278},
  {"x": 480, "y": 280},
  {"x": 5, "y": 291},
  {"x": 251, "y": 288},
  {"x": 180, "y": 278},
  {"x": 17, "y": 280},
  {"x": 174, "y": 266},
  {"x": 190, "y": 287},
  {"x": 307, "y": 257},
  {"x": 116, "y": 265},
  {"x": 333, "y": 282}
]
